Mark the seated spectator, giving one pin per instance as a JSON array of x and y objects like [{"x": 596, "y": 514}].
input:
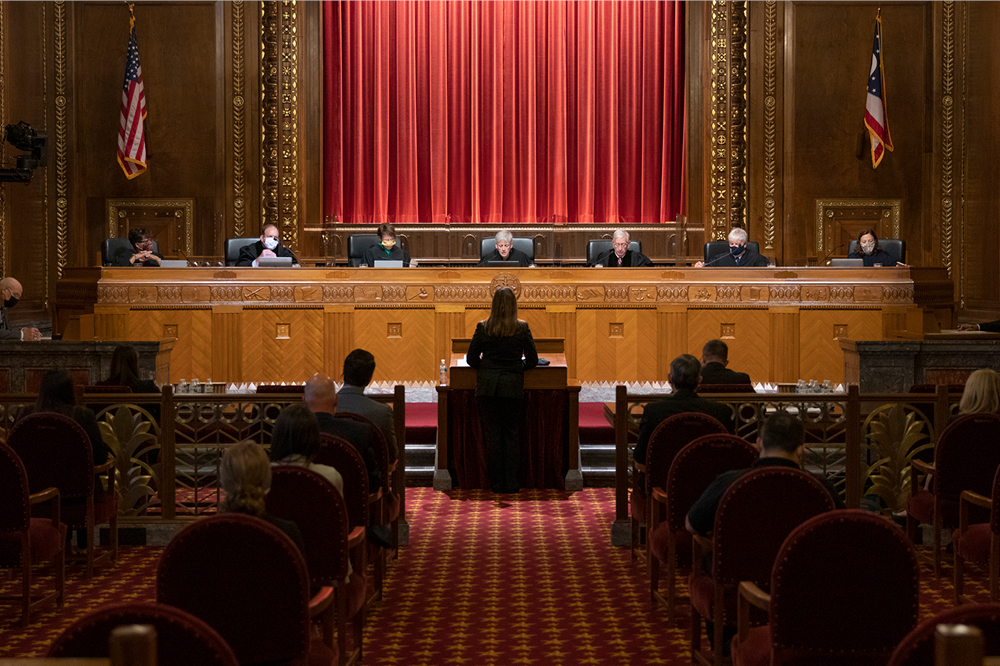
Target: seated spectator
[
  {"x": 56, "y": 395},
  {"x": 245, "y": 477},
  {"x": 125, "y": 371},
  {"x": 781, "y": 442},
  {"x": 505, "y": 251},
  {"x": 387, "y": 249},
  {"x": 620, "y": 256},
  {"x": 714, "y": 359},
  {"x": 684, "y": 372},
  {"x": 981, "y": 394},
  {"x": 359, "y": 368},
  {"x": 141, "y": 253},
  {"x": 320, "y": 397},
  {"x": 295, "y": 441}
]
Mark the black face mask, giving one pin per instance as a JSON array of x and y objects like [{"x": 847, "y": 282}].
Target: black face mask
[
  {"x": 10, "y": 302},
  {"x": 737, "y": 249}
]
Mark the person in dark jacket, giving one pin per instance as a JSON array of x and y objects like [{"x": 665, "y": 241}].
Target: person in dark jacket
[
  {"x": 505, "y": 251},
  {"x": 269, "y": 245},
  {"x": 141, "y": 253},
  {"x": 125, "y": 371},
  {"x": 495, "y": 352},
  {"x": 714, "y": 359},
  {"x": 619, "y": 256},
  {"x": 10, "y": 294},
  {"x": 740, "y": 255},
  {"x": 387, "y": 249},
  {"x": 871, "y": 252}
]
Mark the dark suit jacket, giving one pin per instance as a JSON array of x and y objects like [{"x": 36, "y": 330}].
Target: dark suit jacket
[
  {"x": 123, "y": 255},
  {"x": 716, "y": 373},
  {"x": 684, "y": 400},
  {"x": 631, "y": 260},
  {"x": 353, "y": 399},
  {"x": 500, "y": 370},
  {"x": 990, "y": 326},
  {"x": 515, "y": 255},
  {"x": 376, "y": 252},
  {"x": 749, "y": 259},
  {"x": 358, "y": 435},
  {"x": 7, "y": 333},
  {"x": 880, "y": 257},
  {"x": 250, "y": 253}
]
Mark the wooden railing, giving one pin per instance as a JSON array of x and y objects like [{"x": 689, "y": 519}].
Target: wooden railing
[{"x": 849, "y": 436}]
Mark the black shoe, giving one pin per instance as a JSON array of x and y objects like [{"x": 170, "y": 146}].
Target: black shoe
[{"x": 380, "y": 535}]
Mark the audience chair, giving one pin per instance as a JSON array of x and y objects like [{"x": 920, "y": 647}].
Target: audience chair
[
  {"x": 980, "y": 542},
  {"x": 57, "y": 452},
  {"x": 233, "y": 246},
  {"x": 966, "y": 457},
  {"x": 525, "y": 245},
  {"x": 894, "y": 247},
  {"x": 672, "y": 435},
  {"x": 110, "y": 247},
  {"x": 714, "y": 248},
  {"x": 313, "y": 503},
  {"x": 917, "y": 648},
  {"x": 843, "y": 590},
  {"x": 756, "y": 514},
  {"x": 357, "y": 246},
  {"x": 596, "y": 248},
  {"x": 692, "y": 470},
  {"x": 248, "y": 581},
  {"x": 181, "y": 638},
  {"x": 24, "y": 540},
  {"x": 298, "y": 389}
]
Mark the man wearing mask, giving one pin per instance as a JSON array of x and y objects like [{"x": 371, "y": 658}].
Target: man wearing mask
[
  {"x": 740, "y": 256},
  {"x": 10, "y": 291},
  {"x": 269, "y": 245}
]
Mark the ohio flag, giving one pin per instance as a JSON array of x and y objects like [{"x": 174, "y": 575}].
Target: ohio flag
[{"x": 876, "y": 118}]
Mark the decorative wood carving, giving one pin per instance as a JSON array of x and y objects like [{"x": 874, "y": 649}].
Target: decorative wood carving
[
  {"x": 239, "y": 122},
  {"x": 770, "y": 120},
  {"x": 839, "y": 220},
  {"x": 728, "y": 124},
  {"x": 62, "y": 144},
  {"x": 171, "y": 221}
]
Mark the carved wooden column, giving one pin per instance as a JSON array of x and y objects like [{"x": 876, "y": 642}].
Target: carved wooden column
[
  {"x": 111, "y": 322},
  {"x": 449, "y": 323},
  {"x": 562, "y": 322},
  {"x": 671, "y": 336},
  {"x": 338, "y": 337},
  {"x": 227, "y": 343},
  {"x": 784, "y": 343}
]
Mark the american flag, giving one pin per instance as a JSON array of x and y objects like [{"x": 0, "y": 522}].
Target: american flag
[
  {"x": 131, "y": 133},
  {"x": 876, "y": 119}
]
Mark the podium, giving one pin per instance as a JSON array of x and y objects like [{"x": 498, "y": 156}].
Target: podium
[{"x": 550, "y": 438}]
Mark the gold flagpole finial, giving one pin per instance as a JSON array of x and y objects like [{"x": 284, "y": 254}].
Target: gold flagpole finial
[{"x": 131, "y": 15}]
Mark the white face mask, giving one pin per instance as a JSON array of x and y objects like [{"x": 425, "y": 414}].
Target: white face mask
[{"x": 271, "y": 243}]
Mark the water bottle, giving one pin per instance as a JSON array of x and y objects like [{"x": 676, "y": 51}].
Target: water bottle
[{"x": 443, "y": 373}]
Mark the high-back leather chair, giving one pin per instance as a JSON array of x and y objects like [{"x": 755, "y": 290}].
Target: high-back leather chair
[
  {"x": 233, "y": 247},
  {"x": 894, "y": 247},
  {"x": 357, "y": 246},
  {"x": 855, "y": 612},
  {"x": 248, "y": 581},
  {"x": 181, "y": 638},
  {"x": 596, "y": 248},
  {"x": 110, "y": 247},
  {"x": 525, "y": 245},
  {"x": 917, "y": 649},
  {"x": 715, "y": 248}
]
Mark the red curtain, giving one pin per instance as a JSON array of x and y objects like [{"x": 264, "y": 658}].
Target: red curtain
[{"x": 504, "y": 112}]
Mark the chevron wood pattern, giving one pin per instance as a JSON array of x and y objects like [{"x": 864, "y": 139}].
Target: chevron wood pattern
[
  {"x": 253, "y": 345},
  {"x": 338, "y": 338},
  {"x": 747, "y": 332},
  {"x": 616, "y": 345},
  {"x": 409, "y": 357},
  {"x": 296, "y": 357},
  {"x": 821, "y": 357}
]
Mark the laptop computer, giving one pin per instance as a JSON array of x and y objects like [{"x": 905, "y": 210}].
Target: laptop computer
[
  {"x": 847, "y": 263},
  {"x": 274, "y": 262},
  {"x": 504, "y": 264},
  {"x": 173, "y": 263},
  {"x": 388, "y": 263}
]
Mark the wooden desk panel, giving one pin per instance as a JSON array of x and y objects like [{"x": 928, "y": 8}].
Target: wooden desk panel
[{"x": 285, "y": 324}]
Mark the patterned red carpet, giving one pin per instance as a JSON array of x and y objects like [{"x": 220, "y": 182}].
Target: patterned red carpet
[{"x": 526, "y": 579}]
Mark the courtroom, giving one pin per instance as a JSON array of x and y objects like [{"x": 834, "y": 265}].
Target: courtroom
[{"x": 310, "y": 353}]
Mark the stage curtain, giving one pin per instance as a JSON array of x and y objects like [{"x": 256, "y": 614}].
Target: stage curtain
[{"x": 503, "y": 112}]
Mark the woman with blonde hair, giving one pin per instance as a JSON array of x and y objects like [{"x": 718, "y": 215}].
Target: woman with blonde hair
[
  {"x": 245, "y": 477},
  {"x": 981, "y": 394},
  {"x": 495, "y": 352}
]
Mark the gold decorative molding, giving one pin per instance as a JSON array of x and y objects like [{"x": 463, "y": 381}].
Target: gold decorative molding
[
  {"x": 116, "y": 210},
  {"x": 46, "y": 228},
  {"x": 289, "y": 128},
  {"x": 239, "y": 122},
  {"x": 947, "y": 129},
  {"x": 822, "y": 212},
  {"x": 770, "y": 119},
  {"x": 269, "y": 112},
  {"x": 62, "y": 143},
  {"x": 4, "y": 218},
  {"x": 738, "y": 66}
]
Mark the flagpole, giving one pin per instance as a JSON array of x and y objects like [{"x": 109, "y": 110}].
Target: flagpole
[{"x": 131, "y": 14}]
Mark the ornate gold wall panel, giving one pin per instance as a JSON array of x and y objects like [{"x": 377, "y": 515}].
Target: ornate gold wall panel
[
  {"x": 947, "y": 129},
  {"x": 171, "y": 216},
  {"x": 239, "y": 122},
  {"x": 770, "y": 120},
  {"x": 4, "y": 217},
  {"x": 269, "y": 112},
  {"x": 62, "y": 142}
]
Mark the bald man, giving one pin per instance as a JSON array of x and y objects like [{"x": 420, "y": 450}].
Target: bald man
[
  {"x": 321, "y": 398},
  {"x": 10, "y": 291}
]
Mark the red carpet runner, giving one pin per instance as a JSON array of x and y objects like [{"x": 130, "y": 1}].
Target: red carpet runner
[{"x": 531, "y": 579}]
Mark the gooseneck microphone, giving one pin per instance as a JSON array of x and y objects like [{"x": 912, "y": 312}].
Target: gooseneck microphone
[{"x": 830, "y": 253}]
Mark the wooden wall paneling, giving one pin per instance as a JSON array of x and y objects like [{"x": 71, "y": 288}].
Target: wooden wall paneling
[
  {"x": 746, "y": 331},
  {"x": 254, "y": 363},
  {"x": 291, "y": 343},
  {"x": 338, "y": 338},
  {"x": 612, "y": 344},
  {"x": 562, "y": 324},
  {"x": 393, "y": 337},
  {"x": 111, "y": 322},
  {"x": 784, "y": 343},
  {"x": 226, "y": 341},
  {"x": 451, "y": 322},
  {"x": 671, "y": 336},
  {"x": 820, "y": 331},
  {"x": 538, "y": 320},
  {"x": 697, "y": 52}
]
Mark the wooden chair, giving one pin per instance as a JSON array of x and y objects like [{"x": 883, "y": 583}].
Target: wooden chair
[
  {"x": 917, "y": 648},
  {"x": 248, "y": 581},
  {"x": 854, "y": 611},
  {"x": 693, "y": 469},
  {"x": 672, "y": 435},
  {"x": 725, "y": 388},
  {"x": 25, "y": 540},
  {"x": 313, "y": 503},
  {"x": 755, "y": 515},
  {"x": 966, "y": 457},
  {"x": 57, "y": 452},
  {"x": 979, "y": 542},
  {"x": 181, "y": 638}
]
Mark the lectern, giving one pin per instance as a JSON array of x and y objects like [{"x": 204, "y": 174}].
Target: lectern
[{"x": 550, "y": 443}]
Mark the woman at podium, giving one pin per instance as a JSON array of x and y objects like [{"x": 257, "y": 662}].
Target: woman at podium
[{"x": 496, "y": 353}]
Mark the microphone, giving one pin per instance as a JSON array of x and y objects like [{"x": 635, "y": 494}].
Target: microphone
[
  {"x": 717, "y": 258},
  {"x": 830, "y": 253}
]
